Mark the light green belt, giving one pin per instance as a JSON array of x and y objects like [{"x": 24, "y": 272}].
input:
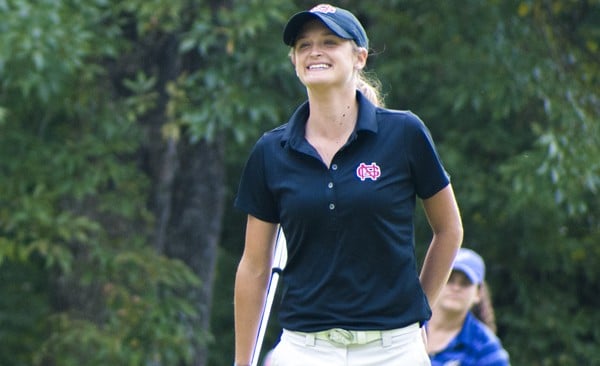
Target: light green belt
[{"x": 348, "y": 337}]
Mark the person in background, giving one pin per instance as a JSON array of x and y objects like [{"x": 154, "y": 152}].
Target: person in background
[
  {"x": 462, "y": 328},
  {"x": 341, "y": 178}
]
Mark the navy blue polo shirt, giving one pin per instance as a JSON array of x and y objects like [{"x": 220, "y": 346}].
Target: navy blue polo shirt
[{"x": 349, "y": 227}]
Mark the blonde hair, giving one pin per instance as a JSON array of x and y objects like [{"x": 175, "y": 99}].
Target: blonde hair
[
  {"x": 370, "y": 86},
  {"x": 367, "y": 83}
]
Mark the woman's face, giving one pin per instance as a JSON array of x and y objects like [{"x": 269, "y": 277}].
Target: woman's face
[
  {"x": 459, "y": 294},
  {"x": 322, "y": 59}
]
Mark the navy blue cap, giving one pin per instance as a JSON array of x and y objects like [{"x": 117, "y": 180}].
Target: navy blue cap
[
  {"x": 340, "y": 21},
  {"x": 471, "y": 264}
]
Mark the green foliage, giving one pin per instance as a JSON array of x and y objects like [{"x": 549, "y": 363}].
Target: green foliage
[
  {"x": 63, "y": 213},
  {"x": 44, "y": 44},
  {"x": 143, "y": 304},
  {"x": 23, "y": 309},
  {"x": 74, "y": 227},
  {"x": 508, "y": 89},
  {"x": 236, "y": 94}
]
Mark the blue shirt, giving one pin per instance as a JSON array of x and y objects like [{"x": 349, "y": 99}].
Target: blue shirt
[
  {"x": 349, "y": 226},
  {"x": 474, "y": 345}
]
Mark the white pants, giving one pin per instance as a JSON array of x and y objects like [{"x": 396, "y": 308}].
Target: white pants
[{"x": 397, "y": 347}]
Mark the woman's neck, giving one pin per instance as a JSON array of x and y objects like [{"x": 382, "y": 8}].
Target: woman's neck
[
  {"x": 332, "y": 115},
  {"x": 331, "y": 121}
]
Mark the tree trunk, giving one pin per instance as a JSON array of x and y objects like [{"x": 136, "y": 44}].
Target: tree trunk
[
  {"x": 188, "y": 196},
  {"x": 195, "y": 224},
  {"x": 189, "y": 206}
]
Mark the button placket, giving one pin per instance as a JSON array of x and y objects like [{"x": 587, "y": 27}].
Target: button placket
[{"x": 330, "y": 185}]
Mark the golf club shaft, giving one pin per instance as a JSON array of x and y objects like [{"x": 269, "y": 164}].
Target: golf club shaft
[{"x": 279, "y": 259}]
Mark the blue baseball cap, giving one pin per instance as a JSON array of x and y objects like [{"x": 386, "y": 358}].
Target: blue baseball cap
[
  {"x": 471, "y": 264},
  {"x": 340, "y": 21}
]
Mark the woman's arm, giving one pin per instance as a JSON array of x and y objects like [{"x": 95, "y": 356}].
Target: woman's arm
[
  {"x": 251, "y": 282},
  {"x": 444, "y": 218}
]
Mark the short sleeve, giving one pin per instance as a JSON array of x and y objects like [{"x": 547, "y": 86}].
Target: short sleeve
[
  {"x": 426, "y": 166},
  {"x": 254, "y": 196}
]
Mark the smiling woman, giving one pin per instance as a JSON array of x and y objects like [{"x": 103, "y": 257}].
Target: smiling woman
[
  {"x": 324, "y": 61},
  {"x": 341, "y": 179}
]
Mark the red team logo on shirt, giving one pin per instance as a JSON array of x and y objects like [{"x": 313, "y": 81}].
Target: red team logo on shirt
[{"x": 365, "y": 171}]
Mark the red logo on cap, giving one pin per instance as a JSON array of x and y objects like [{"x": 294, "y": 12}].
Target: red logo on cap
[
  {"x": 323, "y": 8},
  {"x": 372, "y": 171}
]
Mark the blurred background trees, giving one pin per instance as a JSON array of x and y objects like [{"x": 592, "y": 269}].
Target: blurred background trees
[{"x": 124, "y": 126}]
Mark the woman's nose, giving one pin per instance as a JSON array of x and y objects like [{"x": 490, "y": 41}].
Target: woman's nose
[{"x": 316, "y": 51}]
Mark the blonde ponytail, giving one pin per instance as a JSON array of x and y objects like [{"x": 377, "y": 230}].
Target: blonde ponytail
[
  {"x": 368, "y": 83},
  {"x": 370, "y": 86}
]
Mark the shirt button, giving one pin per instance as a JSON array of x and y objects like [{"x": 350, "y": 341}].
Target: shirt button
[
  {"x": 331, "y": 206},
  {"x": 334, "y": 167},
  {"x": 330, "y": 185}
]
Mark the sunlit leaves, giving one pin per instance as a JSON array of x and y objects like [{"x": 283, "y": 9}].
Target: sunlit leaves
[
  {"x": 234, "y": 91},
  {"x": 44, "y": 44}
]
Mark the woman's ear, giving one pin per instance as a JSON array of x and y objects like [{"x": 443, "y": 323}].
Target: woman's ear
[{"x": 361, "y": 58}]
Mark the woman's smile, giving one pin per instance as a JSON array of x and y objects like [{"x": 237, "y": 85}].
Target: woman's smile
[{"x": 319, "y": 66}]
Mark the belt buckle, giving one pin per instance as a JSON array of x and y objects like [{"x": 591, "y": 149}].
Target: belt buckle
[{"x": 341, "y": 336}]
